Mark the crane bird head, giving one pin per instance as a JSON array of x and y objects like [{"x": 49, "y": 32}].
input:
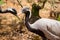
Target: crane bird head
[
  {"x": 12, "y": 10},
  {"x": 9, "y": 10},
  {"x": 26, "y": 11}
]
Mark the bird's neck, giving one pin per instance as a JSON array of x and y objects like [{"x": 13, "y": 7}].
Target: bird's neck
[
  {"x": 28, "y": 25},
  {"x": 3, "y": 11},
  {"x": 8, "y": 11}
]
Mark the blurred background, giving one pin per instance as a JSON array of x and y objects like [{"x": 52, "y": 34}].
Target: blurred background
[{"x": 13, "y": 29}]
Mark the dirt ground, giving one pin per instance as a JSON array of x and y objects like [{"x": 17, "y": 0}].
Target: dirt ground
[{"x": 13, "y": 29}]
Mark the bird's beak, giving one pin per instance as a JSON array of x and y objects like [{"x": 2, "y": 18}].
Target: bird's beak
[{"x": 17, "y": 17}]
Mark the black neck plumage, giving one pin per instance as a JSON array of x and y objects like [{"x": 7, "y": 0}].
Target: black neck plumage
[
  {"x": 39, "y": 32},
  {"x": 14, "y": 12}
]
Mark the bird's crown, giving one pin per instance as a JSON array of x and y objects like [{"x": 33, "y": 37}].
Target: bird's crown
[{"x": 25, "y": 9}]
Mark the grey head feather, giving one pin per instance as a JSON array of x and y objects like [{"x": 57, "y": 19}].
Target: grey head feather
[{"x": 24, "y": 9}]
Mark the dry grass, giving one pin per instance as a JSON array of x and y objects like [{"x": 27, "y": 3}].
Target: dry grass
[{"x": 13, "y": 29}]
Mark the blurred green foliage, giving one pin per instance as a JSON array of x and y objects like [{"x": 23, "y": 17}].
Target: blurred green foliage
[
  {"x": 1, "y": 2},
  {"x": 35, "y": 9},
  {"x": 58, "y": 18}
]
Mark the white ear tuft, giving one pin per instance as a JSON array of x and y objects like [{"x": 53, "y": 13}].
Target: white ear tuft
[
  {"x": 30, "y": 14},
  {"x": 25, "y": 8},
  {"x": 10, "y": 9}
]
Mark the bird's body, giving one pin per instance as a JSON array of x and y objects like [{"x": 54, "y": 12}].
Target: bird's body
[
  {"x": 46, "y": 28},
  {"x": 50, "y": 27}
]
